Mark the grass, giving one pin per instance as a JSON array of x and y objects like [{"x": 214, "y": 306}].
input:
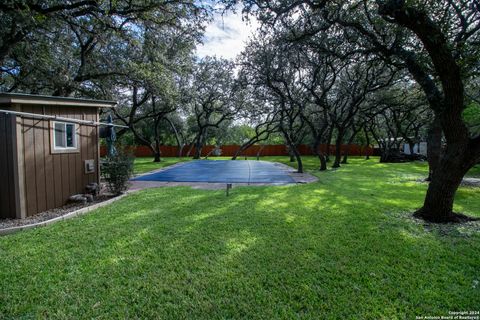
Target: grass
[{"x": 344, "y": 247}]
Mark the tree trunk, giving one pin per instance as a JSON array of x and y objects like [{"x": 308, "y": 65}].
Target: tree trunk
[
  {"x": 243, "y": 148},
  {"x": 297, "y": 156},
  {"x": 180, "y": 150},
  {"x": 345, "y": 153},
  {"x": 367, "y": 140},
  {"x": 446, "y": 178},
  {"x": 411, "y": 146},
  {"x": 434, "y": 146},
  {"x": 157, "y": 153},
  {"x": 180, "y": 145},
  {"x": 198, "y": 151},
  {"x": 259, "y": 152},
  {"x": 323, "y": 162},
  {"x": 338, "y": 151},
  {"x": 329, "y": 139},
  {"x": 320, "y": 155},
  {"x": 345, "y": 156},
  {"x": 237, "y": 153},
  {"x": 190, "y": 148},
  {"x": 350, "y": 141},
  {"x": 198, "y": 146}
]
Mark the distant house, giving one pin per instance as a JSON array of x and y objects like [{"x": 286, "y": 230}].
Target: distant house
[
  {"x": 403, "y": 146},
  {"x": 418, "y": 148},
  {"x": 49, "y": 150}
]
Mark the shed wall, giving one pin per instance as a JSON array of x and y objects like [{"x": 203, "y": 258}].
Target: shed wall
[
  {"x": 51, "y": 178},
  {"x": 8, "y": 206}
]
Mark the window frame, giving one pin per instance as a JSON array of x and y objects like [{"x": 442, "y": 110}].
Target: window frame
[{"x": 53, "y": 147}]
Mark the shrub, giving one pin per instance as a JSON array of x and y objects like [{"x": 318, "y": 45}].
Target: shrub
[{"x": 116, "y": 171}]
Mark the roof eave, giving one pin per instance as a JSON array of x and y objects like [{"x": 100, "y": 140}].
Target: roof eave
[{"x": 55, "y": 101}]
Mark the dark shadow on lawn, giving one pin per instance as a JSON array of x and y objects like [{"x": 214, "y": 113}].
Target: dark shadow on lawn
[{"x": 262, "y": 252}]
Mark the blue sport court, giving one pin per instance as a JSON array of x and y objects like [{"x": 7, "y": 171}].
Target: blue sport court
[{"x": 222, "y": 171}]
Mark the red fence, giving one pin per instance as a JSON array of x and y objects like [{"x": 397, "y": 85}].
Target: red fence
[{"x": 230, "y": 150}]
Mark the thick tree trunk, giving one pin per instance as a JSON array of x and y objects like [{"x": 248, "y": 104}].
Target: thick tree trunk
[
  {"x": 434, "y": 146},
  {"x": 198, "y": 151},
  {"x": 446, "y": 178}
]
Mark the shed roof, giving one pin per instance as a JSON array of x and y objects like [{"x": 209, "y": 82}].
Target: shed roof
[{"x": 34, "y": 99}]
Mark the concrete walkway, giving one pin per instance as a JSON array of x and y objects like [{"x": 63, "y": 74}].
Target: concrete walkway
[{"x": 471, "y": 182}]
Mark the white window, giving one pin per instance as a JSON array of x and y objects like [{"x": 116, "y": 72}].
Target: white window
[{"x": 64, "y": 136}]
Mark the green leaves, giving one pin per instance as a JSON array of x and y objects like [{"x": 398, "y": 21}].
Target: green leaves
[{"x": 471, "y": 116}]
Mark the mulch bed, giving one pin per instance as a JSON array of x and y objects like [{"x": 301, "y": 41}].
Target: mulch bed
[{"x": 50, "y": 214}]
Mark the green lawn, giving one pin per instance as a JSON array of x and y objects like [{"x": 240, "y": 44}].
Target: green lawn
[{"x": 344, "y": 247}]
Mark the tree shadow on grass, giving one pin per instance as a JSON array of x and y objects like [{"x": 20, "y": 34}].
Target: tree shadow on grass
[{"x": 317, "y": 250}]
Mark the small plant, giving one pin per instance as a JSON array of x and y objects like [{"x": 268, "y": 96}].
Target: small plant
[{"x": 117, "y": 170}]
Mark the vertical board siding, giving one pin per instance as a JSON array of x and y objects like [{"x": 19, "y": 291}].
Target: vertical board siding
[
  {"x": 79, "y": 170},
  {"x": 38, "y": 129},
  {"x": 57, "y": 171},
  {"x": 50, "y": 179},
  {"x": 30, "y": 172},
  {"x": 84, "y": 147},
  {"x": 50, "y": 184},
  {"x": 96, "y": 147}
]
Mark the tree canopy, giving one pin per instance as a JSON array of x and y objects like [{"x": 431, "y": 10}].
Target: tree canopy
[{"x": 385, "y": 72}]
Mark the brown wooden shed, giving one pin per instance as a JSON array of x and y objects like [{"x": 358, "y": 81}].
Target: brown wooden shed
[{"x": 49, "y": 150}]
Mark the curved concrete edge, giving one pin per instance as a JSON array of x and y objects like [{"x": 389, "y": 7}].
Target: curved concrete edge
[{"x": 67, "y": 216}]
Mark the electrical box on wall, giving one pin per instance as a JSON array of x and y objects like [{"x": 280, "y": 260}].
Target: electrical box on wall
[{"x": 89, "y": 166}]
